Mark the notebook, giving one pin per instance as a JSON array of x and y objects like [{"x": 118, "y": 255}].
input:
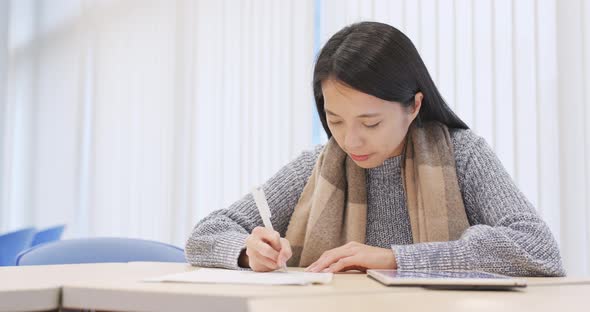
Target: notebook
[
  {"x": 223, "y": 276},
  {"x": 446, "y": 279}
]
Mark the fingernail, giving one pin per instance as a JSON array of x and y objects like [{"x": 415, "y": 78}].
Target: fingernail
[{"x": 326, "y": 270}]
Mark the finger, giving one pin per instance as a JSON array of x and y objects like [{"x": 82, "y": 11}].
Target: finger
[
  {"x": 285, "y": 253},
  {"x": 342, "y": 264},
  {"x": 330, "y": 257},
  {"x": 325, "y": 260},
  {"x": 261, "y": 262},
  {"x": 273, "y": 238},
  {"x": 312, "y": 266},
  {"x": 346, "y": 249},
  {"x": 264, "y": 249}
]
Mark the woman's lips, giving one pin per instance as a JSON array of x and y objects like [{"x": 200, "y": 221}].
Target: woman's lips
[{"x": 359, "y": 157}]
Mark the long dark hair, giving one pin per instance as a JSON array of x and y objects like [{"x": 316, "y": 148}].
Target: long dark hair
[{"x": 377, "y": 59}]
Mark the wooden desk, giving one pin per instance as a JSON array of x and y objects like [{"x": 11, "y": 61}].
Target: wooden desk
[
  {"x": 347, "y": 292},
  {"x": 128, "y": 294},
  {"x": 117, "y": 287},
  {"x": 535, "y": 298},
  {"x": 38, "y": 288}
]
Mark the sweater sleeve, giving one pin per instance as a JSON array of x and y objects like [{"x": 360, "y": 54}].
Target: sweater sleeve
[
  {"x": 506, "y": 235},
  {"x": 218, "y": 239}
]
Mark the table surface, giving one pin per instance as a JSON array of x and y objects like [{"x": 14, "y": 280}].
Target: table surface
[{"x": 118, "y": 287}]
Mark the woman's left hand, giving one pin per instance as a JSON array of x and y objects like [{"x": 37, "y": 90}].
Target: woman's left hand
[{"x": 354, "y": 256}]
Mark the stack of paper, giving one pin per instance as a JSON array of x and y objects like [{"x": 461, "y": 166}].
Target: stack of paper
[{"x": 222, "y": 276}]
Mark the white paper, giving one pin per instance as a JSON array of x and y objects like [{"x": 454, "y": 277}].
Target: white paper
[{"x": 223, "y": 276}]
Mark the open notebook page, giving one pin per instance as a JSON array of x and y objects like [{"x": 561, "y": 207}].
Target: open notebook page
[{"x": 223, "y": 276}]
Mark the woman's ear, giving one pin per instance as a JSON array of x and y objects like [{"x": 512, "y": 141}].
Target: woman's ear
[{"x": 417, "y": 105}]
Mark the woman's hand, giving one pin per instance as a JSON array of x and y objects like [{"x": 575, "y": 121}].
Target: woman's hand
[
  {"x": 354, "y": 256},
  {"x": 265, "y": 250}
]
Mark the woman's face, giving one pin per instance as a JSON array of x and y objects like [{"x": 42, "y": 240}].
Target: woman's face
[{"x": 369, "y": 129}]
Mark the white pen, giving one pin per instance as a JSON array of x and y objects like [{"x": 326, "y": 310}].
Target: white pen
[{"x": 264, "y": 210}]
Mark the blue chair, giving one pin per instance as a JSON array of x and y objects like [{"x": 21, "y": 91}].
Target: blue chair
[
  {"x": 97, "y": 250},
  {"x": 11, "y": 244},
  {"x": 48, "y": 235}
]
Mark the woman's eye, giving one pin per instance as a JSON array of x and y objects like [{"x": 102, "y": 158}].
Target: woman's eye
[
  {"x": 373, "y": 125},
  {"x": 335, "y": 122}
]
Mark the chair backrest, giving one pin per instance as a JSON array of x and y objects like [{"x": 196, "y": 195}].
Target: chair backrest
[
  {"x": 48, "y": 235},
  {"x": 11, "y": 244},
  {"x": 97, "y": 250}
]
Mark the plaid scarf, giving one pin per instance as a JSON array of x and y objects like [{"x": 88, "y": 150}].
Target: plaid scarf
[{"x": 332, "y": 209}]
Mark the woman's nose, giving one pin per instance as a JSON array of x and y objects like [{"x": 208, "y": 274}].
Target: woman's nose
[{"x": 352, "y": 141}]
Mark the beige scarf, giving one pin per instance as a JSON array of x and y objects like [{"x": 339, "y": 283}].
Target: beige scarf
[{"x": 332, "y": 209}]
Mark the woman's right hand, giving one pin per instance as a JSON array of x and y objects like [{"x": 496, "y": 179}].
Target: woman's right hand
[{"x": 266, "y": 250}]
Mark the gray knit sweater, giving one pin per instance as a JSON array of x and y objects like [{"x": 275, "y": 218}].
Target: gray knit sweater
[{"x": 506, "y": 236}]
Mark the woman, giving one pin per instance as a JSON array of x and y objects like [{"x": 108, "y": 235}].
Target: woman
[{"x": 401, "y": 184}]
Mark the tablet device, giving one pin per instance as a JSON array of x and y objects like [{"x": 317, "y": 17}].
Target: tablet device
[{"x": 446, "y": 279}]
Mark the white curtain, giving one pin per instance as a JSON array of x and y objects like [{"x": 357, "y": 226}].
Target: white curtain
[
  {"x": 138, "y": 118},
  {"x": 573, "y": 42}
]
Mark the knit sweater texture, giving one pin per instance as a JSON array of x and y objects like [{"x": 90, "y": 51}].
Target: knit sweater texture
[{"x": 506, "y": 235}]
